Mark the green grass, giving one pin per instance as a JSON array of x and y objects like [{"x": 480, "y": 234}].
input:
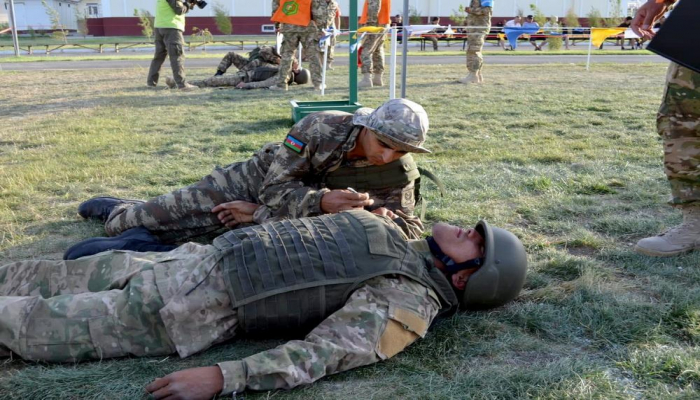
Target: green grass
[{"x": 568, "y": 160}]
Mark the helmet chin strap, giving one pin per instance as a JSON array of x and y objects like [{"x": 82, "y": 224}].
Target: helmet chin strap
[{"x": 451, "y": 266}]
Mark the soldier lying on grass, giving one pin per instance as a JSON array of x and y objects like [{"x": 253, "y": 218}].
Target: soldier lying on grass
[
  {"x": 306, "y": 175},
  {"x": 349, "y": 286},
  {"x": 258, "y": 71}
]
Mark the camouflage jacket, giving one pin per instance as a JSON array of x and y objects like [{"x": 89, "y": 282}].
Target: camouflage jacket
[
  {"x": 379, "y": 320},
  {"x": 292, "y": 185},
  {"x": 322, "y": 16},
  {"x": 477, "y": 10}
]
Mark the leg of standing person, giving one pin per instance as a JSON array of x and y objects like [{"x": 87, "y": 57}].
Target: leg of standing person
[
  {"x": 290, "y": 44},
  {"x": 310, "y": 42},
  {"x": 369, "y": 46},
  {"x": 475, "y": 59},
  {"x": 159, "y": 57},
  {"x": 678, "y": 124},
  {"x": 331, "y": 53},
  {"x": 175, "y": 44}
]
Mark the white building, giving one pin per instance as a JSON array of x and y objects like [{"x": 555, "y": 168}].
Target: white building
[{"x": 31, "y": 14}]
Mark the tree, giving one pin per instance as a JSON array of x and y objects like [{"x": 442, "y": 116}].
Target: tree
[
  {"x": 414, "y": 17},
  {"x": 459, "y": 16},
  {"x": 59, "y": 32},
  {"x": 538, "y": 15},
  {"x": 145, "y": 22},
  {"x": 595, "y": 18},
  {"x": 81, "y": 21},
  {"x": 223, "y": 22},
  {"x": 571, "y": 18}
]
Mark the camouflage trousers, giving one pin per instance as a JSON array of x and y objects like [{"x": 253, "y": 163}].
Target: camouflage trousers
[
  {"x": 169, "y": 43},
  {"x": 231, "y": 58},
  {"x": 678, "y": 124},
  {"x": 290, "y": 43},
  {"x": 186, "y": 213},
  {"x": 228, "y": 80},
  {"x": 475, "y": 42},
  {"x": 115, "y": 304},
  {"x": 373, "y": 54}
]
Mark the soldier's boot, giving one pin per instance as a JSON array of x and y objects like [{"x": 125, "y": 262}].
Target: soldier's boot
[
  {"x": 470, "y": 78},
  {"x": 677, "y": 240},
  {"x": 366, "y": 81},
  {"x": 319, "y": 88},
  {"x": 187, "y": 87},
  {"x": 134, "y": 239},
  {"x": 480, "y": 77},
  {"x": 377, "y": 80},
  {"x": 219, "y": 72},
  {"x": 99, "y": 208},
  {"x": 170, "y": 82}
]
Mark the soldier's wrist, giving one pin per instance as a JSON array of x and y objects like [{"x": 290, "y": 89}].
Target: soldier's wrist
[{"x": 235, "y": 374}]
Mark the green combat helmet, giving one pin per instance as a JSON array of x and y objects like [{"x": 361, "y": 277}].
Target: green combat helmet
[
  {"x": 502, "y": 273},
  {"x": 400, "y": 123}
]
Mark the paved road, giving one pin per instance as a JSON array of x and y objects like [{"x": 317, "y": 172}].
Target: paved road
[{"x": 209, "y": 62}]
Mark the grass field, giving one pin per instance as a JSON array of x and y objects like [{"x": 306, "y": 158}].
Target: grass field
[{"x": 568, "y": 160}]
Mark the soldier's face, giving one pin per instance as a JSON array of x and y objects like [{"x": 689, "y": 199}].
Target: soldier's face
[
  {"x": 376, "y": 151},
  {"x": 461, "y": 245}
]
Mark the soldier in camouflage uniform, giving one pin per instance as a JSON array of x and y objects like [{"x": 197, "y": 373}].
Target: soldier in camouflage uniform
[
  {"x": 350, "y": 283},
  {"x": 373, "y": 47},
  {"x": 480, "y": 17},
  {"x": 678, "y": 124},
  {"x": 323, "y": 155},
  {"x": 322, "y": 15}
]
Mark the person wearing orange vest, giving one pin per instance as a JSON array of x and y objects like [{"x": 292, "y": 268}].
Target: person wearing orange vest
[
  {"x": 374, "y": 13},
  {"x": 302, "y": 21}
]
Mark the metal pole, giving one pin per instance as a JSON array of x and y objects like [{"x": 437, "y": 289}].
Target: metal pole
[
  {"x": 404, "y": 56},
  {"x": 392, "y": 74},
  {"x": 590, "y": 49},
  {"x": 13, "y": 24},
  {"x": 352, "y": 84}
]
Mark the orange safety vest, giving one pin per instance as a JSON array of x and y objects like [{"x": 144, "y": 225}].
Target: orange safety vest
[
  {"x": 293, "y": 12},
  {"x": 384, "y": 13}
]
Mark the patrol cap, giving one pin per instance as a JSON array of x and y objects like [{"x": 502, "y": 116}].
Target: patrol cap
[
  {"x": 502, "y": 275},
  {"x": 400, "y": 123}
]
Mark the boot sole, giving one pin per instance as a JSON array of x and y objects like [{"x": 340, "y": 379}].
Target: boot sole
[{"x": 655, "y": 253}]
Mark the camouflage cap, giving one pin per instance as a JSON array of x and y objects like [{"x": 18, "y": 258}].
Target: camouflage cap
[{"x": 400, "y": 123}]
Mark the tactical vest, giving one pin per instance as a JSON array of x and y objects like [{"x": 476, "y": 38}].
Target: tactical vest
[
  {"x": 290, "y": 275},
  {"x": 166, "y": 17},
  {"x": 394, "y": 174},
  {"x": 264, "y": 73}
]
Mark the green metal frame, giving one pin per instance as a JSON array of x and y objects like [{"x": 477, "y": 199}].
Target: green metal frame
[{"x": 300, "y": 109}]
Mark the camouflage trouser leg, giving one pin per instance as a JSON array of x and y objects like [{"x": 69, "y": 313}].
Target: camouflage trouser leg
[
  {"x": 331, "y": 50},
  {"x": 95, "y": 307},
  {"x": 290, "y": 43},
  {"x": 222, "y": 81},
  {"x": 310, "y": 41},
  {"x": 678, "y": 123},
  {"x": 232, "y": 58},
  {"x": 186, "y": 212},
  {"x": 475, "y": 43},
  {"x": 373, "y": 54}
]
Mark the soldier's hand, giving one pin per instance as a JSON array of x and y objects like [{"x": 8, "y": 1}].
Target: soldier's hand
[
  {"x": 240, "y": 85},
  {"x": 646, "y": 16},
  {"x": 192, "y": 383},
  {"x": 385, "y": 212},
  {"x": 340, "y": 200},
  {"x": 235, "y": 212}
]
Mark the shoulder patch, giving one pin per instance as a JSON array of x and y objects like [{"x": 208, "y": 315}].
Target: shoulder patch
[{"x": 294, "y": 144}]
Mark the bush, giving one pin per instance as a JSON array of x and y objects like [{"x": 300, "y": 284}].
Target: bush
[
  {"x": 81, "y": 21},
  {"x": 223, "y": 22},
  {"x": 145, "y": 22},
  {"x": 459, "y": 16},
  {"x": 595, "y": 18}
]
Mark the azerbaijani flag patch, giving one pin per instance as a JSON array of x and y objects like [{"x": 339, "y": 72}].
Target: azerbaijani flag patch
[{"x": 295, "y": 144}]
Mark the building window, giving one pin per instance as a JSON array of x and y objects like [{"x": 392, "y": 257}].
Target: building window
[{"x": 93, "y": 10}]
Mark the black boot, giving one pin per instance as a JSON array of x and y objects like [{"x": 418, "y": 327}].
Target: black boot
[
  {"x": 100, "y": 207},
  {"x": 134, "y": 239},
  {"x": 219, "y": 72}
]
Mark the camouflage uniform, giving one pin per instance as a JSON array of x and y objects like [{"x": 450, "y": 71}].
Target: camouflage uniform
[
  {"x": 373, "y": 44},
  {"x": 678, "y": 123},
  {"x": 481, "y": 17},
  {"x": 246, "y": 68},
  {"x": 117, "y": 303},
  {"x": 322, "y": 15},
  {"x": 287, "y": 183}
]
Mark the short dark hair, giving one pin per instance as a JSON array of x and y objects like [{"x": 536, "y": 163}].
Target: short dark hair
[
  {"x": 529, "y": 16},
  {"x": 435, "y": 19},
  {"x": 629, "y": 19}
]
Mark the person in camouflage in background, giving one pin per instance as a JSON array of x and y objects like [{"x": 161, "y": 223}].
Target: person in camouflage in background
[
  {"x": 480, "y": 12},
  {"x": 349, "y": 284},
  {"x": 322, "y": 15},
  {"x": 678, "y": 124},
  {"x": 308, "y": 174},
  {"x": 375, "y": 13}
]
